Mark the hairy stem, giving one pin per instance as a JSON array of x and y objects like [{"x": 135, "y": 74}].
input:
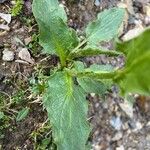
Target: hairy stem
[
  {"x": 93, "y": 75},
  {"x": 93, "y": 52}
]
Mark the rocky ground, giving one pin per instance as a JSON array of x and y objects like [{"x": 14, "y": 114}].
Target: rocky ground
[{"x": 117, "y": 124}]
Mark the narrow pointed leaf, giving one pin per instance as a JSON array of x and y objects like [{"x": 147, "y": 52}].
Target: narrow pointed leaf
[
  {"x": 22, "y": 114},
  {"x": 135, "y": 77},
  {"x": 1, "y": 115},
  {"x": 67, "y": 110},
  {"x": 55, "y": 36},
  {"x": 105, "y": 27}
]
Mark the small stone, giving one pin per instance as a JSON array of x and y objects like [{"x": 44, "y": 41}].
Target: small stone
[
  {"x": 148, "y": 124},
  {"x": 147, "y": 20},
  {"x": 97, "y": 2},
  {"x": 147, "y": 10},
  {"x": 132, "y": 33},
  {"x": 148, "y": 137},
  {"x": 117, "y": 136},
  {"x": 120, "y": 148},
  {"x": 116, "y": 123},
  {"x": 8, "y": 55},
  {"x": 139, "y": 125},
  {"x": 127, "y": 107},
  {"x": 2, "y": 1}
]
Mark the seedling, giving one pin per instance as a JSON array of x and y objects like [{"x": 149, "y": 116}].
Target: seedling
[{"x": 64, "y": 95}]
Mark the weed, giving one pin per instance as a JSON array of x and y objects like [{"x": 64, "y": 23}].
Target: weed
[
  {"x": 17, "y": 8},
  {"x": 64, "y": 96}
]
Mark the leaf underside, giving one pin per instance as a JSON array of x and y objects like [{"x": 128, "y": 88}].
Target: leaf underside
[{"x": 67, "y": 110}]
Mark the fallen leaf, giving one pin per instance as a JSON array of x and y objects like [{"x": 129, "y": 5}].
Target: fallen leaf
[
  {"x": 6, "y": 17},
  {"x": 25, "y": 55},
  {"x": 4, "y": 27}
]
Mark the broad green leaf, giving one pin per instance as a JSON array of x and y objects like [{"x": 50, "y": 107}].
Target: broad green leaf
[
  {"x": 79, "y": 66},
  {"x": 93, "y": 86},
  {"x": 22, "y": 114},
  {"x": 134, "y": 47},
  {"x": 135, "y": 77},
  {"x": 55, "y": 36},
  {"x": 67, "y": 109},
  {"x": 1, "y": 115},
  {"x": 105, "y": 27},
  {"x": 48, "y": 7}
]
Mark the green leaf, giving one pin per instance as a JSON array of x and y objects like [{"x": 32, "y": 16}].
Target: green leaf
[
  {"x": 22, "y": 114},
  {"x": 100, "y": 68},
  {"x": 134, "y": 77},
  {"x": 55, "y": 36},
  {"x": 105, "y": 27},
  {"x": 79, "y": 66},
  {"x": 1, "y": 115},
  {"x": 93, "y": 86},
  {"x": 67, "y": 109},
  {"x": 134, "y": 47}
]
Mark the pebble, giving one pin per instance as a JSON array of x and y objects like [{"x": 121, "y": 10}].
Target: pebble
[
  {"x": 2, "y": 1},
  {"x": 120, "y": 148},
  {"x": 132, "y": 33},
  {"x": 127, "y": 107},
  {"x": 148, "y": 137},
  {"x": 8, "y": 55},
  {"x": 6, "y": 17},
  {"x": 97, "y": 2},
  {"x": 117, "y": 136},
  {"x": 147, "y": 20},
  {"x": 116, "y": 123}
]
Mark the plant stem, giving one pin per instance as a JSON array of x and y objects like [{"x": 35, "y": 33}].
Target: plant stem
[
  {"x": 93, "y": 75},
  {"x": 80, "y": 44},
  {"x": 93, "y": 52}
]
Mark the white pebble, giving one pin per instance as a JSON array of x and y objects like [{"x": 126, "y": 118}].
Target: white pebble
[{"x": 8, "y": 55}]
